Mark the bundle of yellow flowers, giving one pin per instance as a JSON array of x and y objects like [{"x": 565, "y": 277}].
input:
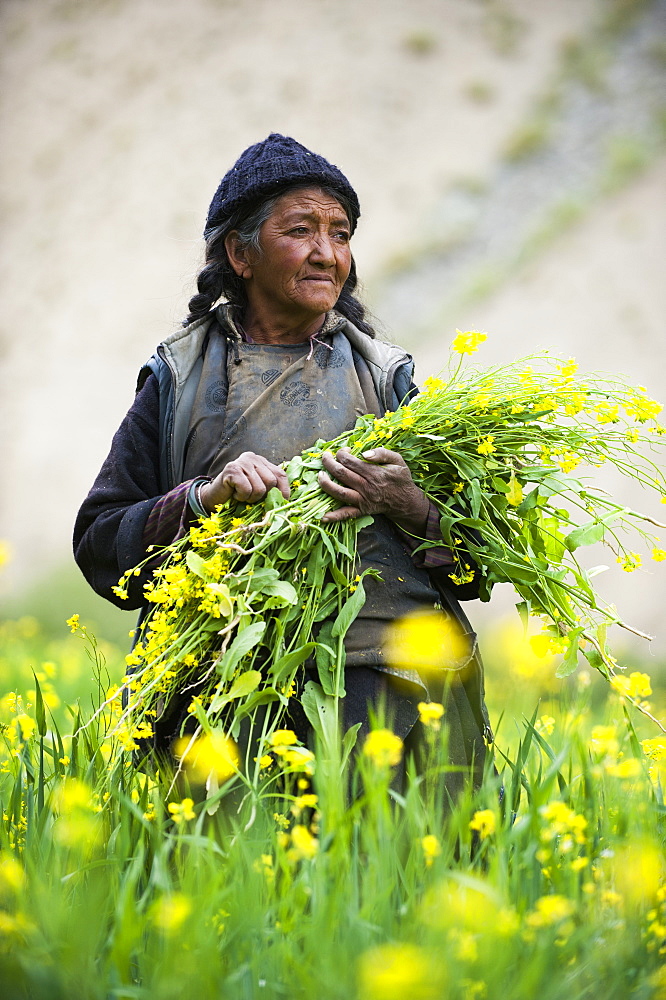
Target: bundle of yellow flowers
[{"x": 238, "y": 603}]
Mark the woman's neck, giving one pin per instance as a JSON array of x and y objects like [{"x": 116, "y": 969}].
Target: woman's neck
[{"x": 266, "y": 330}]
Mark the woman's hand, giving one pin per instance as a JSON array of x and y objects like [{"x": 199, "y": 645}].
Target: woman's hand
[
  {"x": 379, "y": 483},
  {"x": 248, "y": 479}
]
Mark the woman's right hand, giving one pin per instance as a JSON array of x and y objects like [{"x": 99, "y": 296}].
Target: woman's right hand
[{"x": 248, "y": 479}]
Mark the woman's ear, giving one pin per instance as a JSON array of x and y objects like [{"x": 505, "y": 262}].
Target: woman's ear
[{"x": 237, "y": 255}]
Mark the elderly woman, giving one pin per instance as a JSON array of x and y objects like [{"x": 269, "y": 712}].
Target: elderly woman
[{"x": 276, "y": 353}]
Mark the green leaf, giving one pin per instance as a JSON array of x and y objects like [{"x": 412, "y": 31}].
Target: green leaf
[
  {"x": 349, "y": 742},
  {"x": 570, "y": 661},
  {"x": 363, "y": 522},
  {"x": 594, "y": 659},
  {"x": 196, "y": 564},
  {"x": 515, "y": 492},
  {"x": 587, "y": 534},
  {"x": 260, "y": 578},
  {"x": 282, "y": 589},
  {"x": 242, "y": 644},
  {"x": 245, "y": 684},
  {"x": 295, "y": 468},
  {"x": 321, "y": 714},
  {"x": 40, "y": 714},
  {"x": 349, "y": 611},
  {"x": 263, "y": 697},
  {"x": 326, "y": 659},
  {"x": 529, "y": 502},
  {"x": 274, "y": 499},
  {"x": 523, "y": 610},
  {"x": 475, "y": 498},
  {"x": 287, "y": 663}
]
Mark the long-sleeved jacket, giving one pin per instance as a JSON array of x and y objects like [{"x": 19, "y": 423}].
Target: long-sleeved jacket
[{"x": 146, "y": 461}]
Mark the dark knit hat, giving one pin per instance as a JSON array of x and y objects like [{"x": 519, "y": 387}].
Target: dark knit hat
[{"x": 267, "y": 166}]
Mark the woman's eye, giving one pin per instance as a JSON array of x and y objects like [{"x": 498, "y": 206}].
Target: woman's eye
[
  {"x": 343, "y": 236},
  {"x": 299, "y": 230}
]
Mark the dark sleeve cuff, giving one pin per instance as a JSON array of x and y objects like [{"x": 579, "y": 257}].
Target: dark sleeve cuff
[
  {"x": 437, "y": 555},
  {"x": 170, "y": 517}
]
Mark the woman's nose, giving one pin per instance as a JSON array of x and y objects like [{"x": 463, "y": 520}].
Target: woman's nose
[{"x": 322, "y": 249}]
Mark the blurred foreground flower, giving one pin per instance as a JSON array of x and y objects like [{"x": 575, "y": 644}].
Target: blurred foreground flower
[
  {"x": 214, "y": 753},
  {"x": 431, "y": 848},
  {"x": 472, "y": 905},
  {"x": 182, "y": 811},
  {"x": 168, "y": 913},
  {"x": 638, "y": 871},
  {"x": 551, "y": 910},
  {"x": 383, "y": 748},
  {"x": 430, "y": 714},
  {"x": 426, "y": 640},
  {"x": 398, "y": 971},
  {"x": 483, "y": 821},
  {"x": 77, "y": 825}
]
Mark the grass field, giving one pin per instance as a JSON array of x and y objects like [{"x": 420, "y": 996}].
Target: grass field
[{"x": 548, "y": 882}]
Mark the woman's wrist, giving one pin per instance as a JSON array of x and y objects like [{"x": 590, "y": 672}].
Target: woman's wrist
[
  {"x": 415, "y": 519},
  {"x": 196, "y": 498}
]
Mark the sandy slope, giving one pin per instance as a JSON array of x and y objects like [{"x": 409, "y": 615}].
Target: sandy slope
[{"x": 119, "y": 117}]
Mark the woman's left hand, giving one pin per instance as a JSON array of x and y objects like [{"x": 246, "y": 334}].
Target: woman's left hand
[{"x": 379, "y": 483}]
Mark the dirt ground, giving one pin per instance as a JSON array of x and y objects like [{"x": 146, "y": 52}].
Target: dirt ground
[{"x": 118, "y": 118}]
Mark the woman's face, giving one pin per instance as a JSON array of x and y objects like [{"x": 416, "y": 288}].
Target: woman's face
[{"x": 305, "y": 257}]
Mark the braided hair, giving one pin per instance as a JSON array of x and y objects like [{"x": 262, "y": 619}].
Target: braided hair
[{"x": 217, "y": 278}]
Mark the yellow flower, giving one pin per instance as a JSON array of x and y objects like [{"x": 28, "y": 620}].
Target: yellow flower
[
  {"x": 569, "y": 368},
  {"x": 638, "y": 871},
  {"x": 607, "y": 414},
  {"x": 301, "y": 802},
  {"x": 383, "y": 748},
  {"x": 546, "y": 724},
  {"x": 487, "y": 447},
  {"x": 407, "y": 418},
  {"x": 483, "y": 821},
  {"x": 655, "y": 748},
  {"x": 629, "y": 768},
  {"x": 430, "y": 713},
  {"x": 170, "y": 912},
  {"x": 603, "y": 740},
  {"x": 458, "y": 487},
  {"x": 658, "y": 554},
  {"x": 214, "y": 753},
  {"x": 12, "y": 876},
  {"x": 432, "y": 385},
  {"x": 550, "y": 910},
  {"x": 431, "y": 848},
  {"x": 182, "y": 811},
  {"x": 282, "y": 738},
  {"x": 73, "y": 623},
  {"x": 629, "y": 561},
  {"x": 303, "y": 845},
  {"x": 397, "y": 971},
  {"x": 468, "y": 342},
  {"x": 27, "y": 725},
  {"x": 636, "y": 685},
  {"x": 641, "y": 408},
  {"x": 297, "y": 758},
  {"x": 426, "y": 640}
]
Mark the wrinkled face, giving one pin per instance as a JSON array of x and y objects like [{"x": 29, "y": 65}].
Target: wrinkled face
[{"x": 305, "y": 257}]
